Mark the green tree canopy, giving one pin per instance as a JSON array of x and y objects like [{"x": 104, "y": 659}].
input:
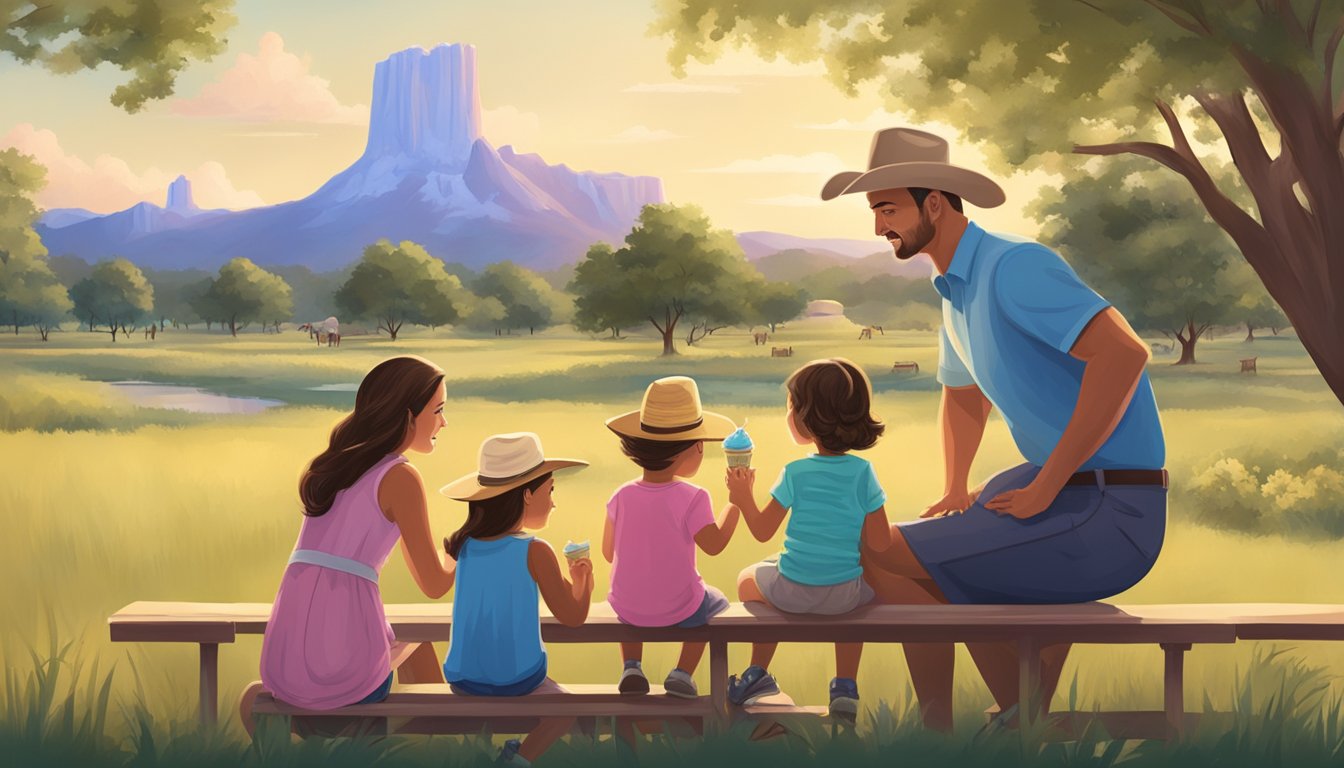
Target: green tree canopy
[
  {"x": 1139, "y": 239},
  {"x": 1037, "y": 84},
  {"x": 115, "y": 294},
  {"x": 395, "y": 284},
  {"x": 30, "y": 293},
  {"x": 775, "y": 303},
  {"x": 243, "y": 293},
  {"x": 151, "y": 39},
  {"x": 528, "y": 300},
  {"x": 673, "y": 266}
]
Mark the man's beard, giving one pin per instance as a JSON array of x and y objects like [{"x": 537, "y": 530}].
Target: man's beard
[{"x": 917, "y": 240}]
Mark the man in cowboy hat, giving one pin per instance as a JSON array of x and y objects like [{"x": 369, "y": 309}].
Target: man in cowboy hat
[{"x": 1083, "y": 518}]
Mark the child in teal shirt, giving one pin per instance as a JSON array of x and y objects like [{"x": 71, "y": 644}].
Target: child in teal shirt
[{"x": 834, "y": 505}]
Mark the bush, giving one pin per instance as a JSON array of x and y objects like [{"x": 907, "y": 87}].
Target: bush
[{"x": 1303, "y": 497}]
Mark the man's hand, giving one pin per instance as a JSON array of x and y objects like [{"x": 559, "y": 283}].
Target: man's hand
[
  {"x": 953, "y": 503},
  {"x": 1023, "y": 503}
]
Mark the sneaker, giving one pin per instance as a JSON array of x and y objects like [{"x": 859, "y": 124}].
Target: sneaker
[
  {"x": 509, "y": 755},
  {"x": 633, "y": 682},
  {"x": 844, "y": 699},
  {"x": 680, "y": 684},
  {"x": 755, "y": 684}
]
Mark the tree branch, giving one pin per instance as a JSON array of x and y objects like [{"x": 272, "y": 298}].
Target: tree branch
[
  {"x": 1294, "y": 24},
  {"x": 1191, "y": 24},
  {"x": 1331, "y": 50},
  {"x": 1311, "y": 23}
]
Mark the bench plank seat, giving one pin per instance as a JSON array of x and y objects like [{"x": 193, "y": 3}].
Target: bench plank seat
[{"x": 437, "y": 700}]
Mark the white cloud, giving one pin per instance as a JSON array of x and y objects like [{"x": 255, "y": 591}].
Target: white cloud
[
  {"x": 642, "y": 134},
  {"x": 789, "y": 201},
  {"x": 876, "y": 121},
  {"x": 510, "y": 125},
  {"x": 681, "y": 88},
  {"x": 271, "y": 86},
  {"x": 814, "y": 163},
  {"x": 109, "y": 184}
]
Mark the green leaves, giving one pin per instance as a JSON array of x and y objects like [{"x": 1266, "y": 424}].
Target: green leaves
[{"x": 393, "y": 284}]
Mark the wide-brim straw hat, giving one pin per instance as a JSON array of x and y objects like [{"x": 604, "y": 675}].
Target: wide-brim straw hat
[
  {"x": 506, "y": 462},
  {"x": 901, "y": 158},
  {"x": 671, "y": 411}
]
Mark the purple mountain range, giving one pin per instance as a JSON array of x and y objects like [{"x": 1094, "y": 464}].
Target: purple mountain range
[{"x": 426, "y": 175}]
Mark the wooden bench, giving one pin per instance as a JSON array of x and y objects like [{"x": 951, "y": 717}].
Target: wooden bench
[
  {"x": 1248, "y": 365},
  {"x": 905, "y": 366},
  {"x": 781, "y": 351},
  {"x": 1173, "y": 628}
]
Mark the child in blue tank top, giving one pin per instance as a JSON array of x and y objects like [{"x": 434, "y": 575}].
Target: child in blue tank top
[
  {"x": 495, "y": 647},
  {"x": 834, "y": 506}
]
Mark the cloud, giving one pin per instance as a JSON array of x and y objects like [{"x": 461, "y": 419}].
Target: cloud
[
  {"x": 510, "y": 125},
  {"x": 814, "y": 163},
  {"x": 109, "y": 184},
  {"x": 642, "y": 134},
  {"x": 271, "y": 86},
  {"x": 681, "y": 88},
  {"x": 789, "y": 201},
  {"x": 876, "y": 121}
]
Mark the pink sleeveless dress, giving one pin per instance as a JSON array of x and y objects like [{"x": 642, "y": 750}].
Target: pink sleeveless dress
[{"x": 326, "y": 645}]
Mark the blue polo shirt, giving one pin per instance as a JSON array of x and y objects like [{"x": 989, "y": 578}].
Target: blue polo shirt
[{"x": 1012, "y": 310}]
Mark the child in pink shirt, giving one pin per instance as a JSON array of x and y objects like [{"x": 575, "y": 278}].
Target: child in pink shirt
[{"x": 655, "y": 523}]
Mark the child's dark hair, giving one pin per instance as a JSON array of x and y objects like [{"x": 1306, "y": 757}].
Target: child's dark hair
[
  {"x": 832, "y": 401},
  {"x": 494, "y": 516},
  {"x": 653, "y": 455}
]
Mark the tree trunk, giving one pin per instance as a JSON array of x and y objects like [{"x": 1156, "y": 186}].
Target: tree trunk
[
  {"x": 233, "y": 326},
  {"x": 1188, "y": 340},
  {"x": 16, "y": 322},
  {"x": 1250, "y": 332},
  {"x": 772, "y": 327},
  {"x": 669, "y": 343},
  {"x": 113, "y": 325},
  {"x": 1274, "y": 329}
]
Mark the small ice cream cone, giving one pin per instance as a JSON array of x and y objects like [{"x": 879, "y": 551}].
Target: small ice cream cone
[
  {"x": 576, "y": 551},
  {"x": 738, "y": 447}
]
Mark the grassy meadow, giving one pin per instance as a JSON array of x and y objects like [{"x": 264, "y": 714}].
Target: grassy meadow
[{"x": 105, "y": 502}]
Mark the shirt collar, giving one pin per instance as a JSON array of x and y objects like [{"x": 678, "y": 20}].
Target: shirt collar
[{"x": 963, "y": 259}]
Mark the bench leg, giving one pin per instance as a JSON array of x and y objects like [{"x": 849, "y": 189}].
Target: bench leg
[
  {"x": 209, "y": 683},
  {"x": 718, "y": 677},
  {"x": 1173, "y": 684},
  {"x": 1028, "y": 681}
]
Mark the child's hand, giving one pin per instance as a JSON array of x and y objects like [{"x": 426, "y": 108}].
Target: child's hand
[
  {"x": 740, "y": 481},
  {"x": 581, "y": 573}
]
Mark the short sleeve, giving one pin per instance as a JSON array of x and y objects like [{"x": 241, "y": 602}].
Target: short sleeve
[
  {"x": 952, "y": 370},
  {"x": 700, "y": 513},
  {"x": 871, "y": 494},
  {"x": 613, "y": 504},
  {"x": 1041, "y": 295},
  {"x": 783, "y": 490}
]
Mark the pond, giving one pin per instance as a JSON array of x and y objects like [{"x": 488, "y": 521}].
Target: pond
[{"x": 179, "y": 397}]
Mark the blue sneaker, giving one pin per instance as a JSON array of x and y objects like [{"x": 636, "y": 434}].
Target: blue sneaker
[
  {"x": 844, "y": 699},
  {"x": 755, "y": 684},
  {"x": 509, "y": 755},
  {"x": 633, "y": 682}
]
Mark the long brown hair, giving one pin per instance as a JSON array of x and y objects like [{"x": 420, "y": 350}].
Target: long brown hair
[
  {"x": 389, "y": 398},
  {"x": 832, "y": 399},
  {"x": 494, "y": 516}
]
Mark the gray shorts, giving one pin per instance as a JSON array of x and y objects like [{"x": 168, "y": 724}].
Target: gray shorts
[{"x": 792, "y": 597}]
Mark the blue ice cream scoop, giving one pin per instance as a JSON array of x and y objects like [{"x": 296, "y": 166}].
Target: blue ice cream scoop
[{"x": 738, "y": 441}]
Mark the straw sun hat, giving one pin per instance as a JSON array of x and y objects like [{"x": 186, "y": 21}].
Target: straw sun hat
[
  {"x": 671, "y": 411},
  {"x": 506, "y": 462}
]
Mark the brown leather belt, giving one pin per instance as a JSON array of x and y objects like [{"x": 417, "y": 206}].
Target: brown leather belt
[{"x": 1121, "y": 477}]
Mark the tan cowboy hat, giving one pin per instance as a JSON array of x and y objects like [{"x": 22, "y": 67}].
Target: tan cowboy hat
[
  {"x": 901, "y": 158},
  {"x": 671, "y": 411},
  {"x": 506, "y": 462}
]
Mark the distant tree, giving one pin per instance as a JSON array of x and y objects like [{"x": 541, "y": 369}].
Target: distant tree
[
  {"x": 173, "y": 294},
  {"x": 152, "y": 39},
  {"x": 114, "y": 294},
  {"x": 775, "y": 303},
  {"x": 528, "y": 300},
  {"x": 1255, "y": 308},
  {"x": 313, "y": 293},
  {"x": 484, "y": 314},
  {"x": 673, "y": 265},
  {"x": 30, "y": 293},
  {"x": 243, "y": 293},
  {"x": 1048, "y": 80},
  {"x": 1143, "y": 242},
  {"x": 396, "y": 284},
  {"x": 599, "y": 304}
]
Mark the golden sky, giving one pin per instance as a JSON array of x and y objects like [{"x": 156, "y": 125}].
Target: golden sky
[{"x": 286, "y": 107}]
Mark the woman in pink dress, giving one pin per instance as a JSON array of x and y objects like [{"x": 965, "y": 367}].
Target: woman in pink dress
[{"x": 328, "y": 643}]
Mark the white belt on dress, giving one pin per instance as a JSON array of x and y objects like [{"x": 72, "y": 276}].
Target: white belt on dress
[{"x": 334, "y": 562}]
